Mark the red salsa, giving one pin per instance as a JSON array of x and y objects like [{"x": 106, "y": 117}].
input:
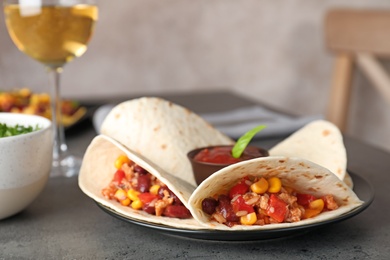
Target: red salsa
[
  {"x": 133, "y": 186},
  {"x": 223, "y": 154},
  {"x": 260, "y": 201}
]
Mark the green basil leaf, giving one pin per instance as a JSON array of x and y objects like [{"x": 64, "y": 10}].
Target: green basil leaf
[{"x": 244, "y": 140}]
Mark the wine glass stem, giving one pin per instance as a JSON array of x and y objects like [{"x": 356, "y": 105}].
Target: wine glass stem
[{"x": 60, "y": 147}]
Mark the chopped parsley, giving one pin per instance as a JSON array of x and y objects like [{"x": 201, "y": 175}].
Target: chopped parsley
[{"x": 6, "y": 131}]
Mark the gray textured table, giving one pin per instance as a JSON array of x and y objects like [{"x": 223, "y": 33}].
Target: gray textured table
[{"x": 63, "y": 223}]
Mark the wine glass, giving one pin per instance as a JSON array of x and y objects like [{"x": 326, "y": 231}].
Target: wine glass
[{"x": 53, "y": 32}]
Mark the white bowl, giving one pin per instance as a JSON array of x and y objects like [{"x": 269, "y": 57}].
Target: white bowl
[{"x": 25, "y": 162}]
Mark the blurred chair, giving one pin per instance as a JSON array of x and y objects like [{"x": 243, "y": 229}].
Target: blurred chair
[{"x": 359, "y": 39}]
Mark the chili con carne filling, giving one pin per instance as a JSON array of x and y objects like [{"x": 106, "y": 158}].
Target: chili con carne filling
[
  {"x": 134, "y": 187},
  {"x": 260, "y": 201}
]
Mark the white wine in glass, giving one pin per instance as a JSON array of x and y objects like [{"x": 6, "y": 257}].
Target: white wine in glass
[{"x": 53, "y": 32}]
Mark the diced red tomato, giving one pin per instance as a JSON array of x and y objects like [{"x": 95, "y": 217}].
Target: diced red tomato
[
  {"x": 305, "y": 199},
  {"x": 239, "y": 189},
  {"x": 147, "y": 197},
  {"x": 277, "y": 208},
  {"x": 240, "y": 205},
  {"x": 118, "y": 176}
]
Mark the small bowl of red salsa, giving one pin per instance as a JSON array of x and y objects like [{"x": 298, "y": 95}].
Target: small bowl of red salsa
[{"x": 207, "y": 160}]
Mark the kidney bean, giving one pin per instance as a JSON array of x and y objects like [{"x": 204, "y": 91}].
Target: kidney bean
[
  {"x": 149, "y": 209},
  {"x": 225, "y": 208},
  {"x": 160, "y": 192},
  {"x": 209, "y": 205},
  {"x": 139, "y": 169},
  {"x": 143, "y": 183},
  {"x": 176, "y": 200},
  {"x": 177, "y": 211}
]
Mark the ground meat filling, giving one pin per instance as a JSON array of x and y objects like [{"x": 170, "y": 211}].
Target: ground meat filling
[
  {"x": 132, "y": 186},
  {"x": 260, "y": 201}
]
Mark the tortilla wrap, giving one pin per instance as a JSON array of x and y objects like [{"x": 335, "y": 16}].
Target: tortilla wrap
[
  {"x": 157, "y": 134},
  {"x": 162, "y": 132},
  {"x": 98, "y": 169},
  {"x": 320, "y": 142},
  {"x": 302, "y": 175}
]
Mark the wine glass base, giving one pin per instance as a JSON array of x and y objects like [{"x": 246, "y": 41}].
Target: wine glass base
[{"x": 68, "y": 166}]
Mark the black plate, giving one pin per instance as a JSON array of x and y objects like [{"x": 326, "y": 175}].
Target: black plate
[{"x": 361, "y": 187}]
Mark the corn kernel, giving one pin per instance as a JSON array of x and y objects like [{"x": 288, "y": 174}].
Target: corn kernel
[
  {"x": 317, "y": 204},
  {"x": 315, "y": 208},
  {"x": 44, "y": 98},
  {"x": 154, "y": 189},
  {"x": 24, "y": 92},
  {"x": 137, "y": 204},
  {"x": 309, "y": 213},
  {"x": 260, "y": 187},
  {"x": 133, "y": 195},
  {"x": 31, "y": 110},
  {"x": 34, "y": 99},
  {"x": 121, "y": 160},
  {"x": 120, "y": 195},
  {"x": 126, "y": 202},
  {"x": 275, "y": 184},
  {"x": 248, "y": 219}
]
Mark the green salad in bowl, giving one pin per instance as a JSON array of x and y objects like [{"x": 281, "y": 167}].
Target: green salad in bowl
[
  {"x": 26, "y": 152},
  {"x": 10, "y": 130}
]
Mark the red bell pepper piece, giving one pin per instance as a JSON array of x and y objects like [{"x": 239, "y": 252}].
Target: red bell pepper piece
[
  {"x": 277, "y": 208},
  {"x": 240, "y": 205},
  {"x": 147, "y": 197},
  {"x": 305, "y": 199},
  {"x": 118, "y": 176},
  {"x": 239, "y": 189}
]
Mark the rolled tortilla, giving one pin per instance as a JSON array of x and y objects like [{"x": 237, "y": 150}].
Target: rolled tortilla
[
  {"x": 162, "y": 132},
  {"x": 302, "y": 175},
  {"x": 97, "y": 171},
  {"x": 157, "y": 134},
  {"x": 320, "y": 142}
]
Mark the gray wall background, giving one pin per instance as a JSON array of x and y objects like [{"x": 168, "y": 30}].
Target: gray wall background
[{"x": 270, "y": 51}]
